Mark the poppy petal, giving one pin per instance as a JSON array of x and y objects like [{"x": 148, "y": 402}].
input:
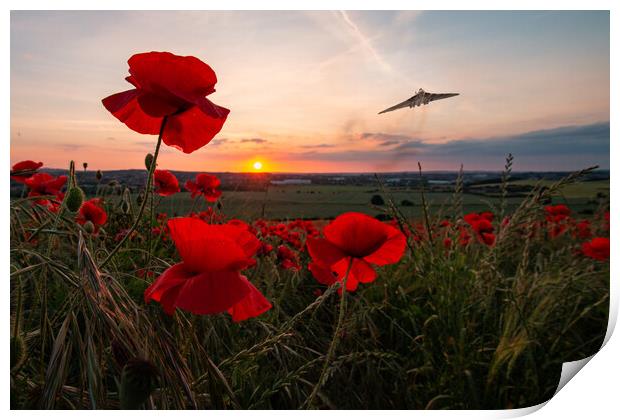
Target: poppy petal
[
  {"x": 357, "y": 234},
  {"x": 252, "y": 305},
  {"x": 360, "y": 271},
  {"x": 159, "y": 72},
  {"x": 169, "y": 279},
  {"x": 327, "y": 276},
  {"x": 125, "y": 107},
  {"x": 157, "y": 106},
  {"x": 324, "y": 251},
  {"x": 244, "y": 238},
  {"x": 191, "y": 129},
  {"x": 205, "y": 247},
  {"x": 214, "y": 292},
  {"x": 391, "y": 251}
]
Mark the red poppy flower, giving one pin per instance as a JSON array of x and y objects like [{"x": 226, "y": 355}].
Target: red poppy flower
[
  {"x": 165, "y": 183},
  {"x": 583, "y": 230},
  {"x": 208, "y": 281},
  {"x": 24, "y": 169},
  {"x": 358, "y": 238},
  {"x": 206, "y": 185},
  {"x": 472, "y": 218},
  {"x": 265, "y": 248},
  {"x": 481, "y": 224},
  {"x": 173, "y": 86},
  {"x": 44, "y": 184},
  {"x": 289, "y": 260},
  {"x": 597, "y": 248},
  {"x": 557, "y": 213},
  {"x": 464, "y": 236},
  {"x": 91, "y": 211}
]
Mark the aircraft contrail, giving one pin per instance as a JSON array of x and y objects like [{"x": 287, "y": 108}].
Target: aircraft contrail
[{"x": 365, "y": 42}]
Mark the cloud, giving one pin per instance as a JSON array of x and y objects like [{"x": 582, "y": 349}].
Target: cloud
[
  {"x": 566, "y": 148},
  {"x": 70, "y": 147},
  {"x": 569, "y": 140},
  {"x": 254, "y": 140},
  {"x": 384, "y": 137},
  {"x": 318, "y": 146},
  {"x": 218, "y": 142}
]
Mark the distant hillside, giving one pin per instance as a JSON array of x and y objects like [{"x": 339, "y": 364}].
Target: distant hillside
[{"x": 135, "y": 179}]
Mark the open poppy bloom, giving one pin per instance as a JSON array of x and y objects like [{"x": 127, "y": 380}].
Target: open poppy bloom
[
  {"x": 208, "y": 280},
  {"x": 205, "y": 185},
  {"x": 24, "y": 169},
  {"x": 358, "y": 240},
  {"x": 165, "y": 183},
  {"x": 597, "y": 249},
  {"x": 168, "y": 85},
  {"x": 92, "y": 211},
  {"x": 44, "y": 184}
]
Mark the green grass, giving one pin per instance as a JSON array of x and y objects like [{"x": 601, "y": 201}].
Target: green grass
[
  {"x": 471, "y": 327},
  {"x": 327, "y": 201}
]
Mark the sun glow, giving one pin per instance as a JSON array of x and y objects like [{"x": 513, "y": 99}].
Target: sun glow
[{"x": 257, "y": 165}]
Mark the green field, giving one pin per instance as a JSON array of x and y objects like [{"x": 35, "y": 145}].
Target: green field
[{"x": 327, "y": 201}]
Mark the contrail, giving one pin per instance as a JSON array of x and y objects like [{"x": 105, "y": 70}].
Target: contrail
[{"x": 365, "y": 42}]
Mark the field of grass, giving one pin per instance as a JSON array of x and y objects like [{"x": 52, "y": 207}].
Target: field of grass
[
  {"x": 451, "y": 325},
  {"x": 328, "y": 201}
]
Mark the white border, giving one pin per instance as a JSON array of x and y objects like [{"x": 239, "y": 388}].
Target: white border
[{"x": 593, "y": 394}]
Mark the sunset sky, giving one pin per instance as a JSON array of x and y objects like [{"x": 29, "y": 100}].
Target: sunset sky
[{"x": 304, "y": 88}]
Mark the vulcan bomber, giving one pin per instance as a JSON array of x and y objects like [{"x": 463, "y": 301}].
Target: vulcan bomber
[{"x": 420, "y": 98}]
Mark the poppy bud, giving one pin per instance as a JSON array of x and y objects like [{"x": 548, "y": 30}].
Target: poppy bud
[
  {"x": 148, "y": 161},
  {"x": 138, "y": 380},
  {"x": 89, "y": 227},
  {"x": 125, "y": 207},
  {"x": 74, "y": 199},
  {"x": 139, "y": 198},
  {"x": 18, "y": 352},
  {"x": 99, "y": 175}
]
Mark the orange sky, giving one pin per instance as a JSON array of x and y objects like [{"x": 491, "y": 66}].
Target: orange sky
[{"x": 304, "y": 88}]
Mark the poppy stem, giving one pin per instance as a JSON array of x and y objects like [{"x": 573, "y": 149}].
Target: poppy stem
[
  {"x": 149, "y": 183},
  {"x": 335, "y": 340}
]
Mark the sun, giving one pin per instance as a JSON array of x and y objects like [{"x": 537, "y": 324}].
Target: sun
[{"x": 257, "y": 165}]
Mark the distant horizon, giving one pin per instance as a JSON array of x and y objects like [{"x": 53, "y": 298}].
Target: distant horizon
[{"x": 329, "y": 173}]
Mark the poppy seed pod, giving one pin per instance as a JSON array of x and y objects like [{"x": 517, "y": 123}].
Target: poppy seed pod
[
  {"x": 74, "y": 199},
  {"x": 125, "y": 206},
  {"x": 148, "y": 161},
  {"x": 99, "y": 175},
  {"x": 18, "y": 352},
  {"x": 138, "y": 380},
  {"x": 89, "y": 227}
]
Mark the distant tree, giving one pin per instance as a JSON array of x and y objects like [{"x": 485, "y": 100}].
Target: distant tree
[
  {"x": 377, "y": 200},
  {"x": 406, "y": 203}
]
